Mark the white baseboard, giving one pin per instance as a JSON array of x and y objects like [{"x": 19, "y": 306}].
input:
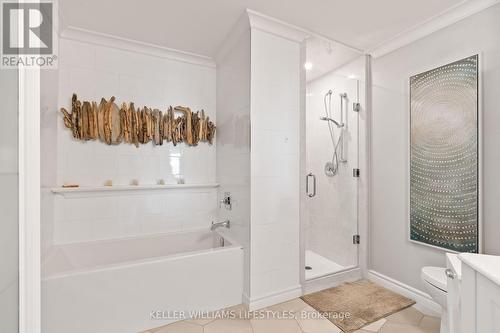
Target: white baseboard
[
  {"x": 273, "y": 298},
  {"x": 246, "y": 299},
  {"x": 425, "y": 303},
  {"x": 331, "y": 281}
]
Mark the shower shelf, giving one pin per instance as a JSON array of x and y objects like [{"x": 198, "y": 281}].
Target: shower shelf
[{"x": 88, "y": 191}]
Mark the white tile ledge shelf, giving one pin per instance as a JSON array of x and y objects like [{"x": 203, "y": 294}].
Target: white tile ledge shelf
[{"x": 122, "y": 189}]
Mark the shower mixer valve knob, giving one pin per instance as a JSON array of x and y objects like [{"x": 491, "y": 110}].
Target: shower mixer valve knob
[
  {"x": 330, "y": 169},
  {"x": 226, "y": 201}
]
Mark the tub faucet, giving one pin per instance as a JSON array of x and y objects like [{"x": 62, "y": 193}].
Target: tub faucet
[{"x": 225, "y": 224}]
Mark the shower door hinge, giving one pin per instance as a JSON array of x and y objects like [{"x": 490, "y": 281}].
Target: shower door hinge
[
  {"x": 355, "y": 173},
  {"x": 355, "y": 239},
  {"x": 356, "y": 107}
]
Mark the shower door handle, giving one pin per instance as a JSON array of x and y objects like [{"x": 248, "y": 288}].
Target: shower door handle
[{"x": 311, "y": 175}]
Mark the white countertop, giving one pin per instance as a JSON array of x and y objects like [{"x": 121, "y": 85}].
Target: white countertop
[
  {"x": 487, "y": 265},
  {"x": 455, "y": 264}
]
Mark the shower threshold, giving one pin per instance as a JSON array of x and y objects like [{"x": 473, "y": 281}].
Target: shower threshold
[{"x": 317, "y": 266}]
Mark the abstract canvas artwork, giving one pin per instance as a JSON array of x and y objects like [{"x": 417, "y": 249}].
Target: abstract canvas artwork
[{"x": 444, "y": 156}]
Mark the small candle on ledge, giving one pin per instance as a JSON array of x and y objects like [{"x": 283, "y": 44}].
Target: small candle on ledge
[{"x": 69, "y": 185}]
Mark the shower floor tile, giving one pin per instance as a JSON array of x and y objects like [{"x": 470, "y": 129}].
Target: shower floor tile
[{"x": 320, "y": 266}]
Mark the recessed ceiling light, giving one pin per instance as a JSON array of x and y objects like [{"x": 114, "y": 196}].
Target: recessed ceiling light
[
  {"x": 352, "y": 77},
  {"x": 308, "y": 66}
]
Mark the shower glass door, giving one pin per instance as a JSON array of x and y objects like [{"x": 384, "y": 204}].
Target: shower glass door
[{"x": 331, "y": 203}]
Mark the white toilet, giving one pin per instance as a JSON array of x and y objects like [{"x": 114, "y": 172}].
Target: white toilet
[{"x": 435, "y": 281}]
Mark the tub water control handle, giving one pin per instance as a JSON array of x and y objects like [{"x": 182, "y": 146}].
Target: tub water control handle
[
  {"x": 227, "y": 202},
  {"x": 449, "y": 273}
]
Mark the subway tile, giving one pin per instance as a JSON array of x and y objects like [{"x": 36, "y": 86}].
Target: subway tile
[
  {"x": 74, "y": 53},
  {"x": 88, "y": 208},
  {"x": 82, "y": 82},
  {"x": 76, "y": 231},
  {"x": 159, "y": 224},
  {"x": 98, "y": 71}
]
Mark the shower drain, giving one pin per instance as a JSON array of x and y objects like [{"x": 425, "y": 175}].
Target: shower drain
[{"x": 308, "y": 268}]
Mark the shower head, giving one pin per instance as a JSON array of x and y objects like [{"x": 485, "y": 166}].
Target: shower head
[{"x": 333, "y": 121}]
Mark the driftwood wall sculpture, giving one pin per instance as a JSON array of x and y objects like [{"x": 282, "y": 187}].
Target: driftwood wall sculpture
[{"x": 113, "y": 125}]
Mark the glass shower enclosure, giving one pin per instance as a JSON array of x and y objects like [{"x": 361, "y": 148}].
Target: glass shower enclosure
[{"x": 330, "y": 203}]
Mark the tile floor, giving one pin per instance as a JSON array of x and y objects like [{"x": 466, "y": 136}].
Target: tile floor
[{"x": 409, "y": 320}]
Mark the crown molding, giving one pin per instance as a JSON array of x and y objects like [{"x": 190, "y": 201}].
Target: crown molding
[
  {"x": 101, "y": 39},
  {"x": 435, "y": 23},
  {"x": 276, "y": 27},
  {"x": 252, "y": 19}
]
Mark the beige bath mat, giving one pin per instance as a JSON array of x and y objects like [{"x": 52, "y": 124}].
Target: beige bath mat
[{"x": 353, "y": 305}]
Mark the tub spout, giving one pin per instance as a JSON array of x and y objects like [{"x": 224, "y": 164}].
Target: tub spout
[{"x": 215, "y": 225}]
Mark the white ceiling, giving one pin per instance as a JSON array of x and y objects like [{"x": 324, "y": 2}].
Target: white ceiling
[
  {"x": 325, "y": 56},
  {"x": 200, "y": 26}
]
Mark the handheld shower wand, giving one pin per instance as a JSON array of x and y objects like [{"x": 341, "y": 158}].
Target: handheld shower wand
[
  {"x": 332, "y": 120},
  {"x": 331, "y": 167}
]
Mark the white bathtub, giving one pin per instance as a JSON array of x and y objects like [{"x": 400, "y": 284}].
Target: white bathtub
[{"x": 117, "y": 285}]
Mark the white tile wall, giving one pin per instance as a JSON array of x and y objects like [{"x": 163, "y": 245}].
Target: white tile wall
[
  {"x": 275, "y": 87},
  {"x": 93, "y": 72},
  {"x": 129, "y": 214},
  {"x": 233, "y": 141}
]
